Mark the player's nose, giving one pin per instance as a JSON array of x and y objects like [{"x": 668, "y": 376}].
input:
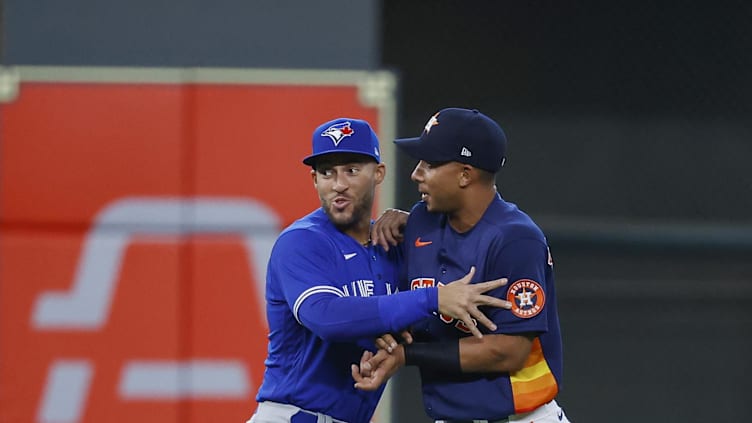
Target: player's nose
[
  {"x": 417, "y": 175},
  {"x": 340, "y": 183}
]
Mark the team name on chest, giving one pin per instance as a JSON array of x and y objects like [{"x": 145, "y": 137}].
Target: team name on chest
[
  {"x": 363, "y": 288},
  {"x": 420, "y": 283}
]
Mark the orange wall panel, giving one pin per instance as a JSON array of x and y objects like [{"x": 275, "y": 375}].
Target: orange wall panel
[
  {"x": 141, "y": 322},
  {"x": 225, "y": 320},
  {"x": 69, "y": 149},
  {"x": 136, "y": 220},
  {"x": 251, "y": 140}
]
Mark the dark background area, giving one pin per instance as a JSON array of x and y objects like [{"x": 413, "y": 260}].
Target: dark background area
[
  {"x": 614, "y": 110},
  {"x": 630, "y": 140},
  {"x": 629, "y": 143}
]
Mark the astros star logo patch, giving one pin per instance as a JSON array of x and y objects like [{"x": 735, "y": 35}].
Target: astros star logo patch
[
  {"x": 527, "y": 298},
  {"x": 338, "y": 132}
]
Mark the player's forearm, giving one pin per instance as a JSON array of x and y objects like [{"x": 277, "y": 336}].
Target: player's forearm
[
  {"x": 494, "y": 353},
  {"x": 349, "y": 318}
]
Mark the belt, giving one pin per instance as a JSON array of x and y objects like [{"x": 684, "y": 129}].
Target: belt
[
  {"x": 269, "y": 411},
  {"x": 549, "y": 409},
  {"x": 305, "y": 416}
]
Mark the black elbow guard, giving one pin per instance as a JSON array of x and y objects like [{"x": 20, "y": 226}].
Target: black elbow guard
[{"x": 439, "y": 357}]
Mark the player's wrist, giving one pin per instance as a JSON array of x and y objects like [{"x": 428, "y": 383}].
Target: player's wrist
[
  {"x": 399, "y": 352},
  {"x": 438, "y": 357},
  {"x": 432, "y": 298}
]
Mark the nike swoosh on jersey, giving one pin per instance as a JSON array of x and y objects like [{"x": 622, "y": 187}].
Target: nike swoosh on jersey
[
  {"x": 349, "y": 256},
  {"x": 419, "y": 243}
]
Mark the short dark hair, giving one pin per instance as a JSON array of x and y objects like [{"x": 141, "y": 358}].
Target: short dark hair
[{"x": 342, "y": 158}]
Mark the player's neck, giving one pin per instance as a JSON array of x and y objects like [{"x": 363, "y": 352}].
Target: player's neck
[
  {"x": 474, "y": 205},
  {"x": 360, "y": 232}
]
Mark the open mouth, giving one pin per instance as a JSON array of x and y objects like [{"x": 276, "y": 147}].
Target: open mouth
[{"x": 340, "y": 203}]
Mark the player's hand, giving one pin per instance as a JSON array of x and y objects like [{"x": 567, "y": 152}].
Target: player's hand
[
  {"x": 389, "y": 343},
  {"x": 374, "y": 372},
  {"x": 460, "y": 299},
  {"x": 365, "y": 366},
  {"x": 388, "y": 229}
]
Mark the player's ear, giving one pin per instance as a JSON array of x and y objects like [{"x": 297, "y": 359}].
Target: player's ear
[
  {"x": 379, "y": 173},
  {"x": 466, "y": 175},
  {"x": 313, "y": 176}
]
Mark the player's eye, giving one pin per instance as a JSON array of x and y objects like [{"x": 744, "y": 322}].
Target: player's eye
[
  {"x": 353, "y": 170},
  {"x": 433, "y": 165},
  {"x": 325, "y": 172}
]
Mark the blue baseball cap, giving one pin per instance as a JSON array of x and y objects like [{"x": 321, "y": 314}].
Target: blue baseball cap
[
  {"x": 459, "y": 135},
  {"x": 344, "y": 135}
]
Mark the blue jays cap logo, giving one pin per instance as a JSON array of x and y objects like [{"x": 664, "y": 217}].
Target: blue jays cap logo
[{"x": 338, "y": 132}]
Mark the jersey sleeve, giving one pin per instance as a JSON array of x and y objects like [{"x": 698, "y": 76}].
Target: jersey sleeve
[
  {"x": 524, "y": 262},
  {"x": 302, "y": 263},
  {"x": 306, "y": 270},
  {"x": 349, "y": 318}
]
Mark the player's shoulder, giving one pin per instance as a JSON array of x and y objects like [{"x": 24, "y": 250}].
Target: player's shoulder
[
  {"x": 418, "y": 208},
  {"x": 314, "y": 228},
  {"x": 509, "y": 221},
  {"x": 419, "y": 214}
]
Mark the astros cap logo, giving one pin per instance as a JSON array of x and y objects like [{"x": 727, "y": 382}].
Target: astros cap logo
[
  {"x": 432, "y": 122},
  {"x": 527, "y": 298},
  {"x": 338, "y": 132}
]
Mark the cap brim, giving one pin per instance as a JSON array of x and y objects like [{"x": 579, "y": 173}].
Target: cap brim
[
  {"x": 311, "y": 160},
  {"x": 420, "y": 150}
]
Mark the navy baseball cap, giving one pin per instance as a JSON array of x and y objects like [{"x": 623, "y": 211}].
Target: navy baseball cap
[
  {"x": 459, "y": 135},
  {"x": 344, "y": 135}
]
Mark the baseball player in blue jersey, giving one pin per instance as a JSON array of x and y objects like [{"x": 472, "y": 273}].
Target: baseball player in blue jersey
[
  {"x": 514, "y": 373},
  {"x": 327, "y": 289}
]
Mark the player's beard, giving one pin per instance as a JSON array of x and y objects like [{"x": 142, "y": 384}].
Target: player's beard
[{"x": 358, "y": 211}]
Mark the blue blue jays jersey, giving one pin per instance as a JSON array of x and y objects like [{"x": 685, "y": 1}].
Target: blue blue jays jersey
[
  {"x": 312, "y": 340},
  {"x": 504, "y": 243}
]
